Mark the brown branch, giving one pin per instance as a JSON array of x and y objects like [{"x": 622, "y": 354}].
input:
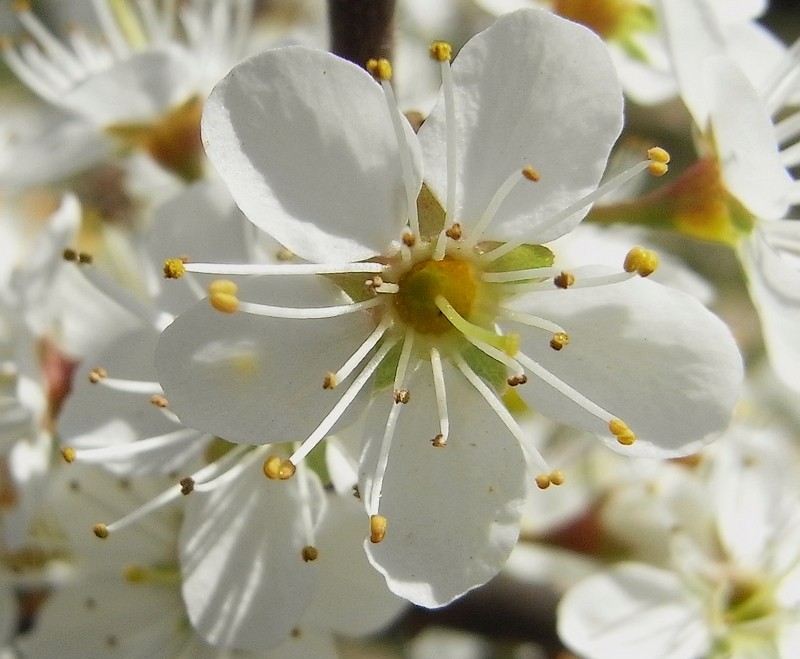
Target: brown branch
[{"x": 361, "y": 29}]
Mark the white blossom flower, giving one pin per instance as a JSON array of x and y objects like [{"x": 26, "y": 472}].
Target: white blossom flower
[
  {"x": 424, "y": 349},
  {"x": 729, "y": 586},
  {"x": 635, "y": 36},
  {"x": 741, "y": 190},
  {"x": 143, "y": 84}
]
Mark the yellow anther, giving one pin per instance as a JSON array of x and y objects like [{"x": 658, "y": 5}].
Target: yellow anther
[
  {"x": 134, "y": 574},
  {"x": 564, "y": 280},
  {"x": 380, "y": 68},
  {"x": 557, "y": 477},
  {"x": 657, "y": 154},
  {"x": 454, "y": 232},
  {"x": 222, "y": 295},
  {"x": 174, "y": 269},
  {"x": 187, "y": 485},
  {"x": 439, "y": 441},
  {"x": 277, "y": 469},
  {"x": 100, "y": 530},
  {"x": 69, "y": 454},
  {"x": 377, "y": 528},
  {"x": 622, "y": 432},
  {"x": 402, "y": 396},
  {"x": 641, "y": 261},
  {"x": 97, "y": 374},
  {"x": 69, "y": 254},
  {"x": 409, "y": 239},
  {"x": 559, "y": 340},
  {"x": 309, "y": 553},
  {"x": 329, "y": 381},
  {"x": 657, "y": 169},
  {"x": 159, "y": 401},
  {"x": 542, "y": 481},
  {"x": 531, "y": 174},
  {"x": 441, "y": 51},
  {"x": 284, "y": 254}
]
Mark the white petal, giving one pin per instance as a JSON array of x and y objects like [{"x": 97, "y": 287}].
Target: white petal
[
  {"x": 245, "y": 583},
  {"x": 746, "y": 143},
  {"x": 351, "y": 599},
  {"x": 632, "y": 611},
  {"x": 139, "y": 89},
  {"x": 305, "y": 143},
  {"x": 253, "y": 379},
  {"x": 453, "y": 512},
  {"x": 95, "y": 416},
  {"x": 653, "y": 357},
  {"x": 537, "y": 90},
  {"x": 775, "y": 290}
]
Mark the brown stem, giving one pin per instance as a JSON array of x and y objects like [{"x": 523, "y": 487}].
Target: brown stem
[{"x": 361, "y": 29}]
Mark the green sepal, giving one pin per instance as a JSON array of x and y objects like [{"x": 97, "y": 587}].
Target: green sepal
[
  {"x": 383, "y": 378},
  {"x": 488, "y": 368},
  {"x": 317, "y": 463},
  {"x": 430, "y": 212},
  {"x": 524, "y": 257}
]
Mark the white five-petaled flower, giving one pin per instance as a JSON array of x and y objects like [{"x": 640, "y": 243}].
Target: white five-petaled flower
[
  {"x": 438, "y": 322},
  {"x": 742, "y": 189}
]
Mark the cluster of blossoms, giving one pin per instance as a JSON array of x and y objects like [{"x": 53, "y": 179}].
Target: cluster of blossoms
[{"x": 280, "y": 363}]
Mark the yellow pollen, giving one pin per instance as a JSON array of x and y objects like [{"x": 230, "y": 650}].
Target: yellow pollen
[
  {"x": 557, "y": 477},
  {"x": 309, "y": 553},
  {"x": 559, "y": 340},
  {"x": 415, "y": 300},
  {"x": 100, "y": 530},
  {"x": 187, "y": 485},
  {"x": 377, "y": 528},
  {"x": 657, "y": 169},
  {"x": 454, "y": 232},
  {"x": 222, "y": 295},
  {"x": 441, "y": 51},
  {"x": 542, "y": 481},
  {"x": 97, "y": 374},
  {"x": 380, "y": 68},
  {"x": 641, "y": 261},
  {"x": 402, "y": 396},
  {"x": 277, "y": 469},
  {"x": 564, "y": 280},
  {"x": 69, "y": 454},
  {"x": 159, "y": 401},
  {"x": 174, "y": 268},
  {"x": 439, "y": 441},
  {"x": 622, "y": 432},
  {"x": 329, "y": 381},
  {"x": 284, "y": 254},
  {"x": 135, "y": 574},
  {"x": 657, "y": 154},
  {"x": 69, "y": 254},
  {"x": 531, "y": 174}
]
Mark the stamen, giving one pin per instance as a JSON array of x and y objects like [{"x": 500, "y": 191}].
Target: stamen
[
  {"x": 531, "y": 320},
  {"x": 69, "y": 454},
  {"x": 377, "y": 528},
  {"x": 382, "y": 70},
  {"x": 455, "y": 232},
  {"x": 442, "y": 52},
  {"x": 356, "y": 358},
  {"x": 641, "y": 261},
  {"x": 97, "y": 374},
  {"x": 441, "y": 398},
  {"x": 525, "y": 174},
  {"x": 123, "y": 452},
  {"x": 222, "y": 296},
  {"x": 58, "y": 54},
  {"x": 656, "y": 164},
  {"x": 559, "y": 340},
  {"x": 508, "y": 343},
  {"x": 309, "y": 552},
  {"x": 144, "y": 387},
  {"x": 564, "y": 280},
  {"x": 344, "y": 402},
  {"x": 502, "y": 412},
  {"x": 543, "y": 481},
  {"x": 277, "y": 469},
  {"x": 175, "y": 268},
  {"x": 111, "y": 29},
  {"x": 519, "y": 275},
  {"x": 619, "y": 429}
]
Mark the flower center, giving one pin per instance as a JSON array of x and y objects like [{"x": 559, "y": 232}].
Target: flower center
[
  {"x": 601, "y": 16},
  {"x": 415, "y": 301}
]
